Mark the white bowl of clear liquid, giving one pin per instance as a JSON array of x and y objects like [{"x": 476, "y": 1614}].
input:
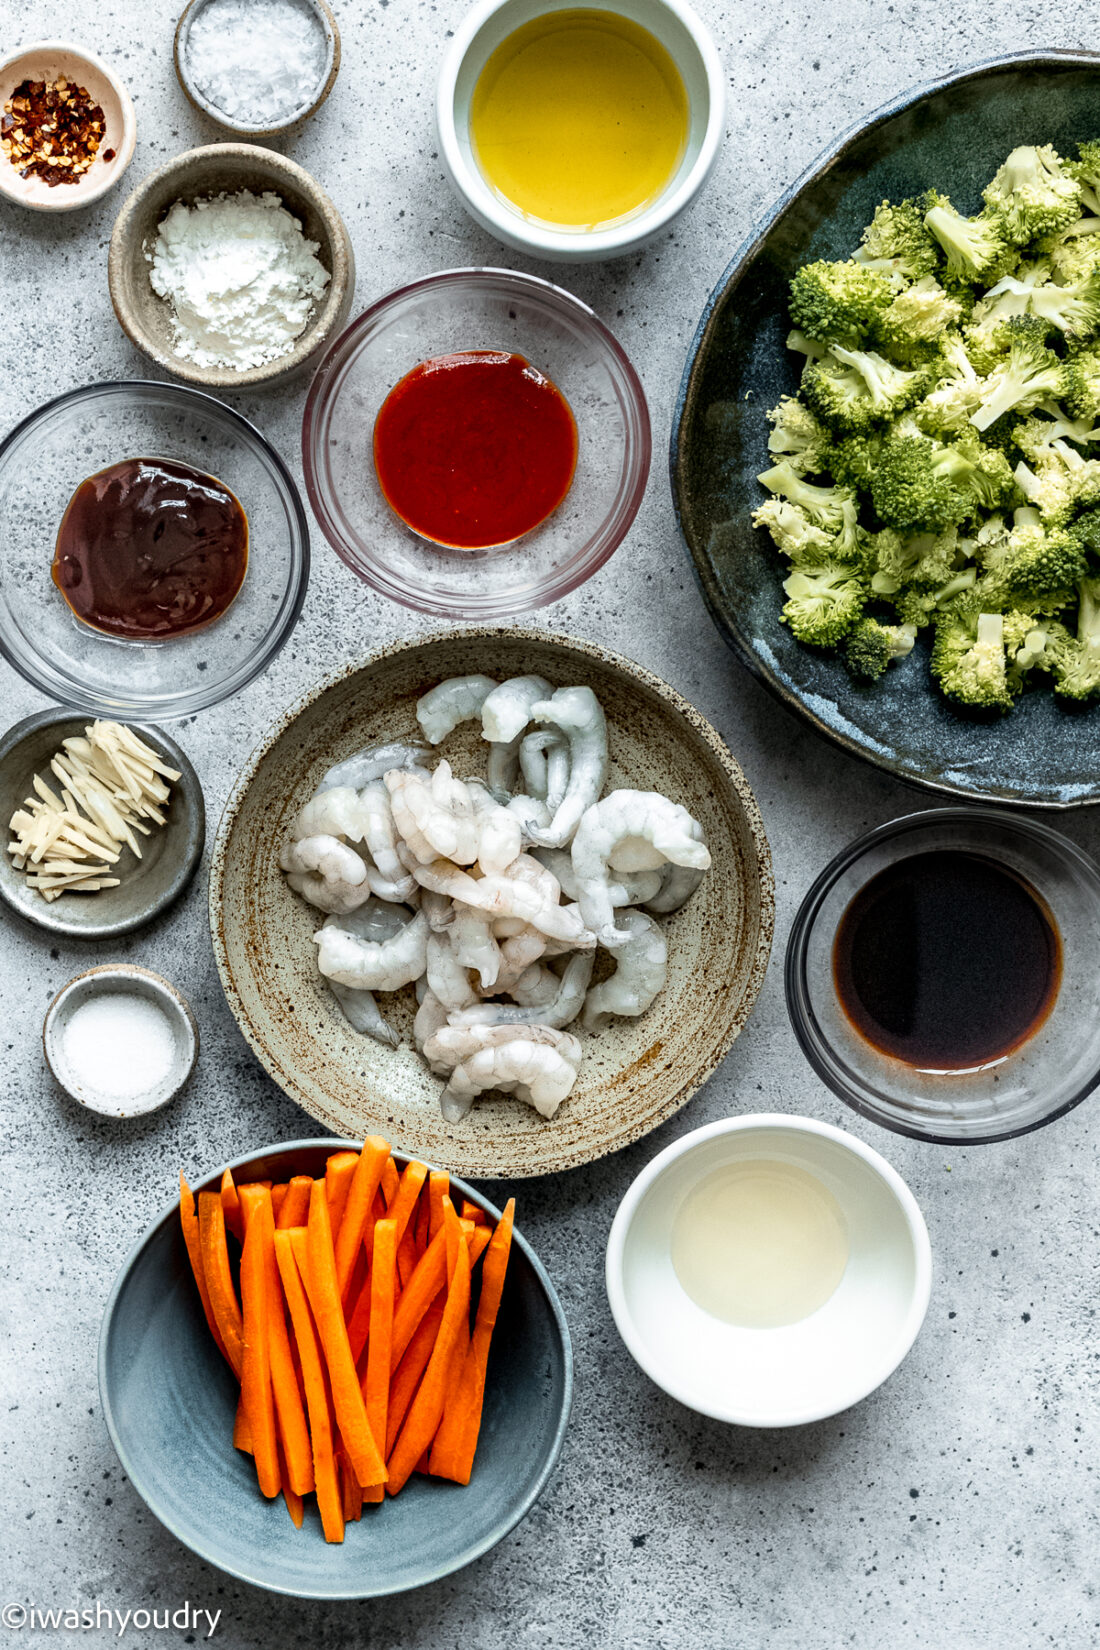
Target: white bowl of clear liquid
[{"x": 768, "y": 1270}]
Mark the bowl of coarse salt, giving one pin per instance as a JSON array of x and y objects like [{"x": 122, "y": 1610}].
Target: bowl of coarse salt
[
  {"x": 120, "y": 1040},
  {"x": 230, "y": 267},
  {"x": 257, "y": 67}
]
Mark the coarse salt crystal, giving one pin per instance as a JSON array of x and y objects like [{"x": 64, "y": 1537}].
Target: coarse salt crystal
[{"x": 258, "y": 61}]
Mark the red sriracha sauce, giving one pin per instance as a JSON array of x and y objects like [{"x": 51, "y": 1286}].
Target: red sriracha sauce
[{"x": 474, "y": 449}]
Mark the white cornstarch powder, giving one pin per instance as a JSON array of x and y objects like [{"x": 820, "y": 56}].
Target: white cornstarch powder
[
  {"x": 258, "y": 61},
  {"x": 240, "y": 276},
  {"x": 119, "y": 1045}
]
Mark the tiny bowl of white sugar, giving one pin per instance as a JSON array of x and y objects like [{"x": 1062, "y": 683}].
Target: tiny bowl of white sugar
[
  {"x": 231, "y": 268},
  {"x": 257, "y": 67},
  {"x": 120, "y": 1040}
]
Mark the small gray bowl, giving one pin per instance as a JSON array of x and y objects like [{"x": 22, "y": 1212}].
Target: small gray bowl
[
  {"x": 169, "y": 1400},
  {"x": 115, "y": 979},
  {"x": 227, "y": 168},
  {"x": 147, "y": 886},
  {"x": 203, "y": 104}
]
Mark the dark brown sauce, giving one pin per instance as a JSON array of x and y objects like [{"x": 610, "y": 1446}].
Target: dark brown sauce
[
  {"x": 150, "y": 548},
  {"x": 947, "y": 960}
]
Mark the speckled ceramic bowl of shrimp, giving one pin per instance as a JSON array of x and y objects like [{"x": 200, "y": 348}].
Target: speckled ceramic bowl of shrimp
[{"x": 634, "y": 1073}]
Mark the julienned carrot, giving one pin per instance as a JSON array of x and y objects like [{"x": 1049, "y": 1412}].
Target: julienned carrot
[
  {"x": 338, "y": 1172},
  {"x": 324, "y": 1297},
  {"x": 391, "y": 1181},
  {"x": 470, "y": 1211},
  {"x": 406, "y": 1377},
  {"x": 423, "y": 1219},
  {"x": 242, "y": 1438},
  {"x": 278, "y": 1198},
  {"x": 357, "y": 1208},
  {"x": 407, "y": 1257},
  {"x": 422, "y": 1288},
  {"x": 219, "y": 1281},
  {"x": 256, "y": 1205},
  {"x": 376, "y": 1380},
  {"x": 292, "y": 1260},
  {"x": 438, "y": 1188},
  {"x": 256, "y": 1389},
  {"x": 426, "y": 1410},
  {"x": 454, "y": 1235},
  {"x": 231, "y": 1207},
  {"x": 350, "y": 1490},
  {"x": 358, "y": 1319},
  {"x": 294, "y": 1503},
  {"x": 190, "y": 1225},
  {"x": 480, "y": 1239},
  {"x": 295, "y": 1204},
  {"x": 455, "y": 1443}
]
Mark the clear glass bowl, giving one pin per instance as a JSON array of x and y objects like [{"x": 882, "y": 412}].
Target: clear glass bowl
[
  {"x": 465, "y": 309},
  {"x": 1032, "y": 1085},
  {"x": 44, "y": 460}
]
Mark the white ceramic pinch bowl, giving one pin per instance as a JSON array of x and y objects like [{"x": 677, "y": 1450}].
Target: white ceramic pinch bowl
[
  {"x": 129, "y": 980},
  {"x": 47, "y": 61},
  {"x": 803, "y": 1371}
]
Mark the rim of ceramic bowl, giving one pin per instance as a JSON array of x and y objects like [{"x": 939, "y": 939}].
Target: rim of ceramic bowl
[
  {"x": 332, "y": 1143},
  {"x": 814, "y": 1045},
  {"x": 903, "y": 1197},
  {"x": 43, "y": 676},
  {"x": 123, "y": 154},
  {"x": 688, "y": 391},
  {"x": 194, "y": 96},
  {"x": 511, "y": 226},
  {"x": 174, "y": 1003},
  {"x": 327, "y": 380}
]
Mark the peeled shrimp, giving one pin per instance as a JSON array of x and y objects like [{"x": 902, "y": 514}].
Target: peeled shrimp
[
  {"x": 475, "y": 945},
  {"x": 504, "y": 715},
  {"x": 391, "y": 881},
  {"x": 537, "y": 984},
  {"x": 335, "y": 812},
  {"x": 577, "y": 712},
  {"x": 431, "y": 1016},
  {"x": 628, "y": 888},
  {"x": 534, "y": 760},
  {"x": 500, "y": 836},
  {"x": 678, "y": 883},
  {"x": 518, "y": 953},
  {"x": 628, "y": 828},
  {"x": 560, "y": 1010},
  {"x": 448, "y": 980},
  {"x": 536, "y": 1063},
  {"x": 435, "y": 816},
  {"x": 332, "y": 897},
  {"x": 508, "y": 896},
  {"x": 326, "y": 872},
  {"x": 641, "y": 973},
  {"x": 363, "y": 1013},
  {"x": 458, "y": 699},
  {"x": 370, "y": 764},
  {"x": 372, "y": 965}
]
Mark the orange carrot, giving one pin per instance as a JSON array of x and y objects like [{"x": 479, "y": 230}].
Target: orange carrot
[
  {"x": 403, "y": 1207},
  {"x": 391, "y": 1181},
  {"x": 231, "y": 1207},
  {"x": 350, "y": 1490},
  {"x": 438, "y": 1188},
  {"x": 292, "y": 1262},
  {"x": 407, "y": 1257},
  {"x": 219, "y": 1281},
  {"x": 454, "y": 1235},
  {"x": 256, "y": 1203},
  {"x": 456, "y": 1440},
  {"x": 360, "y": 1196},
  {"x": 407, "y": 1376},
  {"x": 358, "y": 1318},
  {"x": 324, "y": 1298},
  {"x": 256, "y": 1390},
  {"x": 422, "y": 1288},
  {"x": 480, "y": 1239},
  {"x": 376, "y": 1381},
  {"x": 295, "y": 1206},
  {"x": 470, "y": 1211},
  {"x": 294, "y": 1503},
  {"x": 242, "y": 1438},
  {"x": 423, "y": 1219},
  {"x": 278, "y": 1197},
  {"x": 189, "y": 1223},
  {"x": 426, "y": 1410},
  {"x": 338, "y": 1172}
]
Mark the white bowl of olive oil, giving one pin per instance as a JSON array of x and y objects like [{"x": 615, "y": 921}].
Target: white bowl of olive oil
[
  {"x": 768, "y": 1270},
  {"x": 577, "y": 132}
]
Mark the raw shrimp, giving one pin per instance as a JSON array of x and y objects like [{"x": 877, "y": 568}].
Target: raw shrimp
[
  {"x": 629, "y": 826},
  {"x": 536, "y": 1063},
  {"x": 641, "y": 973},
  {"x": 561, "y": 1010},
  {"x": 392, "y": 881},
  {"x": 474, "y": 944},
  {"x": 372, "y": 965},
  {"x": 431, "y": 1016},
  {"x": 507, "y": 896},
  {"x": 335, "y": 812},
  {"x": 537, "y": 984},
  {"x": 500, "y": 836},
  {"x": 435, "y": 817},
  {"x": 678, "y": 883},
  {"x": 363, "y": 1013},
  {"x": 534, "y": 749},
  {"x": 458, "y": 699},
  {"x": 448, "y": 980},
  {"x": 628, "y": 888},
  {"x": 333, "y": 897},
  {"x": 326, "y": 872},
  {"x": 504, "y": 715},
  {"x": 370, "y": 764},
  {"x": 578, "y": 713},
  {"x": 517, "y": 955}
]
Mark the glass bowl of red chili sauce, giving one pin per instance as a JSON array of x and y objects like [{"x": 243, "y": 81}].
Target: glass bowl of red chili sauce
[{"x": 476, "y": 444}]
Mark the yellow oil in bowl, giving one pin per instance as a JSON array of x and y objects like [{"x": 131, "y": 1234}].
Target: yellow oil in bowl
[{"x": 579, "y": 119}]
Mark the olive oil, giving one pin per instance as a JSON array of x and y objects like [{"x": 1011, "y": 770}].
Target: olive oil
[{"x": 579, "y": 119}]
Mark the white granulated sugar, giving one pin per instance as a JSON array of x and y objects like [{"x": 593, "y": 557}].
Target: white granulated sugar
[
  {"x": 258, "y": 61},
  {"x": 119, "y": 1045},
  {"x": 240, "y": 276}
]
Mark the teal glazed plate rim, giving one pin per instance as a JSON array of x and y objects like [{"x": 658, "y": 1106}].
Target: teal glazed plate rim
[
  {"x": 139, "y": 1388},
  {"x": 951, "y": 132}
]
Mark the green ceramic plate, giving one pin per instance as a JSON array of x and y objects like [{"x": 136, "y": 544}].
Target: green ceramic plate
[
  {"x": 952, "y": 135},
  {"x": 169, "y": 1401}
]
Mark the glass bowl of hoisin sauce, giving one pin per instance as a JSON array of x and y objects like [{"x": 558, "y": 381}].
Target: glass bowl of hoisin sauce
[{"x": 941, "y": 975}]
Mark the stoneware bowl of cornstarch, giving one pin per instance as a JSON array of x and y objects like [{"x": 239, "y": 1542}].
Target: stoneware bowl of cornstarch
[
  {"x": 120, "y": 1040},
  {"x": 205, "y": 174},
  {"x": 257, "y": 67}
]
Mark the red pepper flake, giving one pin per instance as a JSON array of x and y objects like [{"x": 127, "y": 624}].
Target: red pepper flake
[{"x": 52, "y": 129}]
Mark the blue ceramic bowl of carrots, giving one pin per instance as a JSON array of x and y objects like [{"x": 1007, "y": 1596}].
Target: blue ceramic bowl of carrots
[{"x": 335, "y": 1372}]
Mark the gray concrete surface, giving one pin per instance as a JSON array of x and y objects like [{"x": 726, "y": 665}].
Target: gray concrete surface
[{"x": 958, "y": 1506}]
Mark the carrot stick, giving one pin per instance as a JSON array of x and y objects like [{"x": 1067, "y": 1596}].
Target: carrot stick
[
  {"x": 360, "y": 1196},
  {"x": 350, "y": 1491},
  {"x": 278, "y": 1197},
  {"x": 426, "y": 1409},
  {"x": 189, "y": 1223},
  {"x": 296, "y": 1203},
  {"x": 456, "y": 1440},
  {"x": 338, "y": 1172},
  {"x": 423, "y": 1218},
  {"x": 407, "y": 1257},
  {"x": 256, "y": 1391},
  {"x": 438, "y": 1187},
  {"x": 231, "y": 1207},
  {"x": 219, "y": 1281},
  {"x": 480, "y": 1238},
  {"x": 421, "y": 1290},
  {"x": 403, "y": 1206},
  {"x": 256, "y": 1205},
  {"x": 454, "y": 1235},
  {"x": 324, "y": 1298},
  {"x": 242, "y": 1437},
  {"x": 376, "y": 1381},
  {"x": 391, "y": 1180},
  {"x": 358, "y": 1321},
  {"x": 470, "y": 1211},
  {"x": 292, "y": 1262},
  {"x": 407, "y": 1376},
  {"x": 294, "y": 1503}
]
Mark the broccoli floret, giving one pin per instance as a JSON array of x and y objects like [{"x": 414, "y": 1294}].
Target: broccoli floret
[
  {"x": 1035, "y": 433},
  {"x": 1037, "y": 562},
  {"x": 969, "y": 663},
  {"x": 897, "y": 242},
  {"x": 975, "y": 248},
  {"x": 1075, "y": 660},
  {"x": 802, "y": 345},
  {"x": 831, "y": 508},
  {"x": 1071, "y": 310},
  {"x": 930, "y": 559},
  {"x": 1086, "y": 170},
  {"x": 1060, "y": 481},
  {"x": 947, "y": 408},
  {"x": 919, "y": 606},
  {"x": 1082, "y": 383},
  {"x": 823, "y": 603},
  {"x": 792, "y": 531},
  {"x": 920, "y": 483},
  {"x": 839, "y": 302},
  {"x": 1087, "y": 529},
  {"x": 852, "y": 459},
  {"x": 798, "y": 437},
  {"x": 872, "y": 646},
  {"x": 854, "y": 389},
  {"x": 1073, "y": 253},
  {"x": 1033, "y": 194},
  {"x": 1026, "y": 645},
  {"x": 917, "y": 319},
  {"x": 1028, "y": 374}
]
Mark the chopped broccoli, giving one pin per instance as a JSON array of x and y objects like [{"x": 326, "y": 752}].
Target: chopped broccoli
[
  {"x": 872, "y": 645},
  {"x": 921, "y": 607},
  {"x": 921, "y": 483},
  {"x": 922, "y": 558},
  {"x": 823, "y": 603},
  {"x": 1027, "y": 375},
  {"x": 1034, "y": 562},
  {"x": 839, "y": 303},
  {"x": 947, "y": 408},
  {"x": 831, "y": 508},
  {"x": 1033, "y": 194},
  {"x": 1082, "y": 387},
  {"x": 1060, "y": 482},
  {"x": 798, "y": 437},
  {"x": 792, "y": 531},
  {"x": 897, "y": 242},
  {"x": 1075, "y": 660},
  {"x": 854, "y": 389},
  {"x": 975, "y": 248},
  {"x": 969, "y": 663},
  {"x": 917, "y": 320},
  {"x": 1075, "y": 251},
  {"x": 1072, "y": 310}
]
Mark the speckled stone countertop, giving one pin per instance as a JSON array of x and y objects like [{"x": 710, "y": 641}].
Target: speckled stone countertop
[{"x": 956, "y": 1509}]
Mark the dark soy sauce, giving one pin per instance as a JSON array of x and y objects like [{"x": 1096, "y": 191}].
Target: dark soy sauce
[{"x": 947, "y": 960}]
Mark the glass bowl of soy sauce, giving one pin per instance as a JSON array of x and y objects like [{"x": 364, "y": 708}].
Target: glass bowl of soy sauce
[{"x": 941, "y": 975}]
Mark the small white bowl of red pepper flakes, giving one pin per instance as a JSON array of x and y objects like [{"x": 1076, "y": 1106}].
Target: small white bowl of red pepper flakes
[{"x": 67, "y": 127}]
